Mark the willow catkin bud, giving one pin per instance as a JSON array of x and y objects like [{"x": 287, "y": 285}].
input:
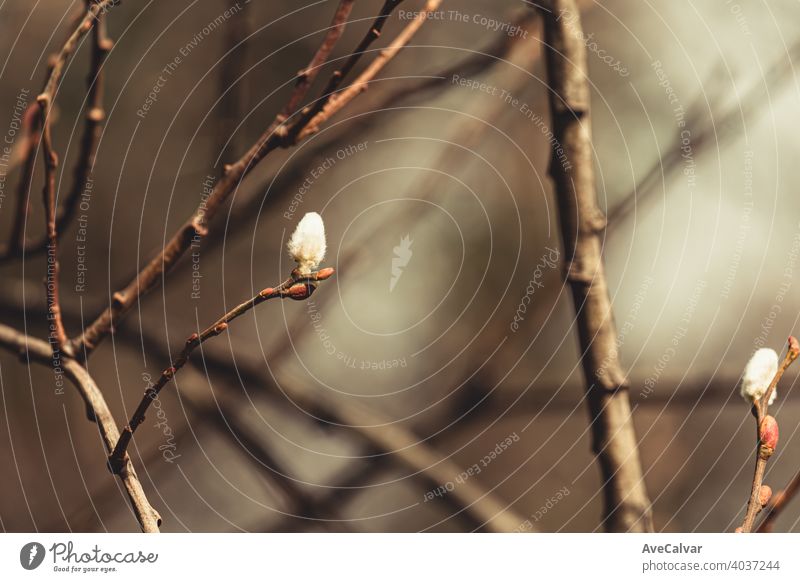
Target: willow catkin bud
[{"x": 307, "y": 244}]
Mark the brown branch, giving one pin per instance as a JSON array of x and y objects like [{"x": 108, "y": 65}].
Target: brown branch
[
  {"x": 94, "y": 116},
  {"x": 339, "y": 75},
  {"x": 335, "y": 102},
  {"x": 764, "y": 450},
  {"x": 232, "y": 79},
  {"x": 39, "y": 351},
  {"x": 57, "y": 335},
  {"x": 297, "y": 286},
  {"x": 46, "y": 99},
  {"x": 32, "y": 132},
  {"x": 397, "y": 444},
  {"x": 778, "y": 503},
  {"x": 614, "y": 441},
  {"x": 197, "y": 225}
]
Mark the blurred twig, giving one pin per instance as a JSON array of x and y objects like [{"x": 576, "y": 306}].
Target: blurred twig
[
  {"x": 778, "y": 503},
  {"x": 706, "y": 130},
  {"x": 232, "y": 81}
]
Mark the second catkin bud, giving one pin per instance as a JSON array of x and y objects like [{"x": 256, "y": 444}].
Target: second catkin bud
[{"x": 767, "y": 436}]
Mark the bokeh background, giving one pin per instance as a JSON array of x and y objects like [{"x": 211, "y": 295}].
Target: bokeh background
[{"x": 695, "y": 116}]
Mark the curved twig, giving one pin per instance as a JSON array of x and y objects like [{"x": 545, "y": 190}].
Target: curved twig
[{"x": 295, "y": 287}]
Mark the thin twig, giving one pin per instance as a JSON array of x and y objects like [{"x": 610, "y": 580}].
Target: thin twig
[
  {"x": 94, "y": 116},
  {"x": 46, "y": 99},
  {"x": 335, "y": 102},
  {"x": 28, "y": 149},
  {"x": 57, "y": 335},
  {"x": 297, "y": 286},
  {"x": 340, "y": 74},
  {"x": 626, "y": 504},
  {"x": 33, "y": 349},
  {"x": 778, "y": 503},
  {"x": 763, "y": 453},
  {"x": 197, "y": 225},
  {"x": 32, "y": 133}
]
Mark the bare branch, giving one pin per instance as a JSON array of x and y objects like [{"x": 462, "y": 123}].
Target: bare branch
[
  {"x": 197, "y": 225},
  {"x": 335, "y": 102},
  {"x": 295, "y": 287},
  {"x": 39, "y": 351},
  {"x": 764, "y": 450},
  {"x": 627, "y": 506},
  {"x": 46, "y": 99}
]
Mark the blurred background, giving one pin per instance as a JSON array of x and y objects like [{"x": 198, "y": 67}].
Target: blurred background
[{"x": 447, "y": 334}]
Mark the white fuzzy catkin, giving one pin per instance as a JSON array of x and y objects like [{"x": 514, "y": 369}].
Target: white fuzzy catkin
[
  {"x": 758, "y": 374},
  {"x": 307, "y": 245}
]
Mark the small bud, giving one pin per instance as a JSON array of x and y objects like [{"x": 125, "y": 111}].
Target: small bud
[
  {"x": 794, "y": 347},
  {"x": 307, "y": 244},
  {"x": 764, "y": 495},
  {"x": 768, "y": 436},
  {"x": 325, "y": 273},
  {"x": 758, "y": 375},
  {"x": 300, "y": 291},
  {"x": 738, "y": 530}
]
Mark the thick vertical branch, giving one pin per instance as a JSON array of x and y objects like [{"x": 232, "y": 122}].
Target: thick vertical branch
[{"x": 627, "y": 506}]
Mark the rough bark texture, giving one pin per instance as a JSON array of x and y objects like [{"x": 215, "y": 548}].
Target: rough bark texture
[{"x": 627, "y": 506}]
